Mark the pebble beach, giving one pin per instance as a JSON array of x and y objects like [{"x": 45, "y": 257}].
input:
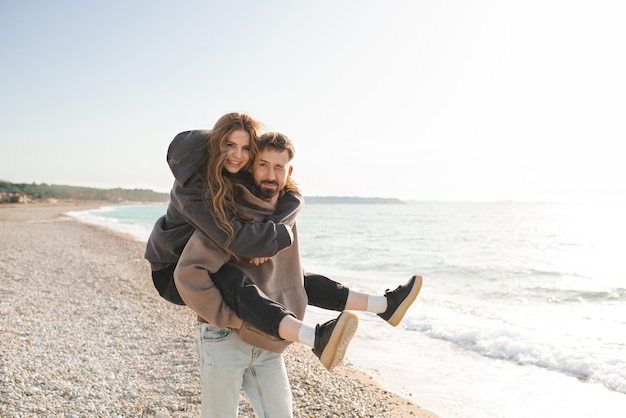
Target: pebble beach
[{"x": 84, "y": 334}]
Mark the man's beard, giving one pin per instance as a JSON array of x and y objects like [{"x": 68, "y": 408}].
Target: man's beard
[{"x": 264, "y": 193}]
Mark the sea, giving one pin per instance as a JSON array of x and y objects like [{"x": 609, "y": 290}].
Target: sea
[{"x": 522, "y": 312}]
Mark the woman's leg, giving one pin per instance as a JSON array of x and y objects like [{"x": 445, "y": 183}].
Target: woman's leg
[
  {"x": 325, "y": 293},
  {"x": 249, "y": 302},
  {"x": 392, "y": 306},
  {"x": 329, "y": 340},
  {"x": 164, "y": 283}
]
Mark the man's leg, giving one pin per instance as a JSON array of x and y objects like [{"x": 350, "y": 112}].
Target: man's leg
[
  {"x": 223, "y": 361},
  {"x": 267, "y": 385}
]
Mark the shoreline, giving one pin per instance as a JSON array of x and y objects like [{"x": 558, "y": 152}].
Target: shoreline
[{"x": 95, "y": 281}]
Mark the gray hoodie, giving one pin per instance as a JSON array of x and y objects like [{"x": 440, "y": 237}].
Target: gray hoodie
[{"x": 188, "y": 211}]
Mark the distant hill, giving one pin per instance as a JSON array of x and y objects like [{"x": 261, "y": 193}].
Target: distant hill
[
  {"x": 351, "y": 200},
  {"x": 33, "y": 192},
  {"x": 24, "y": 192}
]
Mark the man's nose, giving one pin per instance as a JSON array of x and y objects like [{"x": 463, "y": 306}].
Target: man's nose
[{"x": 270, "y": 174}]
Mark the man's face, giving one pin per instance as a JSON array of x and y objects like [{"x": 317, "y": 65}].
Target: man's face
[{"x": 270, "y": 171}]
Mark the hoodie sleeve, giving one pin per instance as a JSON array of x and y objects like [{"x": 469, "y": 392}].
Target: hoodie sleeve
[
  {"x": 199, "y": 259},
  {"x": 287, "y": 209},
  {"x": 259, "y": 239}
]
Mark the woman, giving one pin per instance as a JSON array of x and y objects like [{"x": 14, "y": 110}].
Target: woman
[{"x": 205, "y": 165}]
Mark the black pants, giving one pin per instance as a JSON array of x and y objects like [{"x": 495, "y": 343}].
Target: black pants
[{"x": 250, "y": 303}]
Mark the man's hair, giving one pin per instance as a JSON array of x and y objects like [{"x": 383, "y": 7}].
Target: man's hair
[{"x": 279, "y": 142}]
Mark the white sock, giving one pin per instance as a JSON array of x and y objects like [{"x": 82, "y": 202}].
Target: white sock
[
  {"x": 306, "y": 335},
  {"x": 376, "y": 304}
]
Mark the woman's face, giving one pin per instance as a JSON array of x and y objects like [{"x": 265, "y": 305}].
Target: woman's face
[{"x": 237, "y": 151}]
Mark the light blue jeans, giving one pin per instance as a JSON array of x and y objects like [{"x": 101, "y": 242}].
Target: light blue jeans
[{"x": 227, "y": 364}]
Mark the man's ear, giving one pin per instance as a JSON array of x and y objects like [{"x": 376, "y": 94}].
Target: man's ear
[{"x": 290, "y": 170}]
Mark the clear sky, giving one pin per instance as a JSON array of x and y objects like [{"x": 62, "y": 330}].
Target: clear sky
[{"x": 424, "y": 100}]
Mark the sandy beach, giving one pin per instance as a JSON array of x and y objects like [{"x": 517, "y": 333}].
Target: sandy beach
[{"x": 85, "y": 334}]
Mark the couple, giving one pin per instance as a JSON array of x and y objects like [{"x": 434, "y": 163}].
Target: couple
[{"x": 229, "y": 240}]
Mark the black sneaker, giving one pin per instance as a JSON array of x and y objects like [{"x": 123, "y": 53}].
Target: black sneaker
[
  {"x": 332, "y": 338},
  {"x": 399, "y": 300}
]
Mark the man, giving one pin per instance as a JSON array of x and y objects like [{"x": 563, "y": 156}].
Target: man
[{"x": 233, "y": 353}]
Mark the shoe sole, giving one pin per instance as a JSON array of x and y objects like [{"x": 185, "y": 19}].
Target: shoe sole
[
  {"x": 406, "y": 303},
  {"x": 344, "y": 330}
]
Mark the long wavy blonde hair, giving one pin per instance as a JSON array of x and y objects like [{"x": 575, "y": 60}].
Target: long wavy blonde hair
[{"x": 219, "y": 181}]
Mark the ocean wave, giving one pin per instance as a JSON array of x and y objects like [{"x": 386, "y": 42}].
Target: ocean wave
[
  {"x": 560, "y": 295},
  {"x": 587, "y": 360},
  {"x": 112, "y": 217}
]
